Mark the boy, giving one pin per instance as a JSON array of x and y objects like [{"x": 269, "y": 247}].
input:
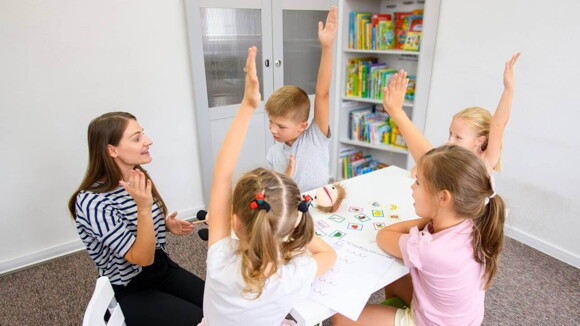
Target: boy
[{"x": 301, "y": 151}]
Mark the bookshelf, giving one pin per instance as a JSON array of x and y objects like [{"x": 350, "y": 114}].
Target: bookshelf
[{"x": 416, "y": 63}]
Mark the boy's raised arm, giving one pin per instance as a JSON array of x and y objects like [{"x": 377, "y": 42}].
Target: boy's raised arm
[
  {"x": 223, "y": 172},
  {"x": 394, "y": 95},
  {"x": 326, "y": 35}
]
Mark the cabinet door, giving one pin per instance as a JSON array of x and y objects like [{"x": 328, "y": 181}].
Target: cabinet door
[
  {"x": 297, "y": 48},
  {"x": 220, "y": 33}
]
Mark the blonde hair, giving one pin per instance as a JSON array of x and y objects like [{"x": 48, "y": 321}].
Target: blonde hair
[
  {"x": 465, "y": 176},
  {"x": 480, "y": 120},
  {"x": 289, "y": 102},
  {"x": 272, "y": 237}
]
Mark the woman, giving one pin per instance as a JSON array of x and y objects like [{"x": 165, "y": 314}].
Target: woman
[{"x": 120, "y": 217}]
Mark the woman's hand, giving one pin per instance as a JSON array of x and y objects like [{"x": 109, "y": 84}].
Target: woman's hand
[
  {"x": 177, "y": 226},
  {"x": 139, "y": 188}
]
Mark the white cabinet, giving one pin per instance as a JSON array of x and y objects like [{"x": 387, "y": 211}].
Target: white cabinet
[
  {"x": 416, "y": 63},
  {"x": 220, "y": 32}
]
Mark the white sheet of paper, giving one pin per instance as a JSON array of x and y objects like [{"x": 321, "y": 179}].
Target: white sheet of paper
[{"x": 347, "y": 286}]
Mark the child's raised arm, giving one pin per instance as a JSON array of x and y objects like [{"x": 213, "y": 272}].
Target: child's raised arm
[
  {"x": 326, "y": 35},
  {"x": 394, "y": 95},
  {"x": 223, "y": 171},
  {"x": 501, "y": 116}
]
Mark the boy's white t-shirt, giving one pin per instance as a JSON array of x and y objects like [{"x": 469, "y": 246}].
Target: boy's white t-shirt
[{"x": 224, "y": 303}]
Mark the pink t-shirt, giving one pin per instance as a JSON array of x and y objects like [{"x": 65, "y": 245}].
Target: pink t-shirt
[{"x": 448, "y": 288}]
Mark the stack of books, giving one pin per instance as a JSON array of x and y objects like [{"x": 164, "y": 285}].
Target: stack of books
[{"x": 356, "y": 163}]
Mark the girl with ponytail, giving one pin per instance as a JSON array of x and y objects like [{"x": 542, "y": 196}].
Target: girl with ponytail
[
  {"x": 452, "y": 250},
  {"x": 257, "y": 279}
]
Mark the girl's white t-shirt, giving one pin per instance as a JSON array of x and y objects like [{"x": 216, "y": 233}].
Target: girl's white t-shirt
[{"x": 224, "y": 303}]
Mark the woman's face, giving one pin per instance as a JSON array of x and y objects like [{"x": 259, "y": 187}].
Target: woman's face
[
  {"x": 461, "y": 134},
  {"x": 133, "y": 148}
]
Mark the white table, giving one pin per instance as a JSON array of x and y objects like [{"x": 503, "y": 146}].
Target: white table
[{"x": 384, "y": 187}]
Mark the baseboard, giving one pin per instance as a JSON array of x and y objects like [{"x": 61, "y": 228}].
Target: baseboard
[
  {"x": 543, "y": 246},
  {"x": 67, "y": 248}
]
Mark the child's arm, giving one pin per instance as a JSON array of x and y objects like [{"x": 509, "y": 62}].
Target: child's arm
[
  {"x": 394, "y": 95},
  {"x": 388, "y": 238},
  {"x": 326, "y": 36},
  {"x": 501, "y": 116},
  {"x": 323, "y": 254},
  {"x": 221, "y": 189}
]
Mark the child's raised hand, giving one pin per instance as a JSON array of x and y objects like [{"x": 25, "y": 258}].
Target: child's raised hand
[
  {"x": 327, "y": 34},
  {"x": 394, "y": 93},
  {"x": 508, "y": 73},
  {"x": 252, "y": 96}
]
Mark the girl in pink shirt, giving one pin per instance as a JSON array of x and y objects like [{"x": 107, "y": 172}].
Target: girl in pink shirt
[{"x": 452, "y": 250}]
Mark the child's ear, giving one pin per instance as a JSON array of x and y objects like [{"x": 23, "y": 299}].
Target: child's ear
[
  {"x": 112, "y": 151},
  {"x": 445, "y": 198},
  {"x": 480, "y": 141},
  {"x": 236, "y": 224},
  {"x": 303, "y": 126}
]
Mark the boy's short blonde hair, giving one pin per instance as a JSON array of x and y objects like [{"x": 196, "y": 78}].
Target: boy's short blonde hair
[{"x": 289, "y": 102}]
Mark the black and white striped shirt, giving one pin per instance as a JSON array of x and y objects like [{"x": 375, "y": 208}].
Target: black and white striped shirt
[{"x": 107, "y": 225}]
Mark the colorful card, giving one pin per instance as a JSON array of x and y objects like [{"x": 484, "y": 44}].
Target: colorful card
[
  {"x": 375, "y": 204},
  {"x": 355, "y": 209},
  {"x": 394, "y": 216},
  {"x": 336, "y": 218},
  {"x": 321, "y": 224},
  {"x": 320, "y": 233},
  {"x": 378, "y": 213},
  {"x": 379, "y": 225},
  {"x": 362, "y": 217},
  {"x": 355, "y": 226},
  {"x": 337, "y": 234},
  {"x": 393, "y": 207}
]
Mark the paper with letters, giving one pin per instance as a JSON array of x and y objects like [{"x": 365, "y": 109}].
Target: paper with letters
[{"x": 347, "y": 286}]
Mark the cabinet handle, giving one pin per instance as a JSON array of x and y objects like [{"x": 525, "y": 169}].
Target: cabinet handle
[
  {"x": 267, "y": 63},
  {"x": 278, "y": 63}
]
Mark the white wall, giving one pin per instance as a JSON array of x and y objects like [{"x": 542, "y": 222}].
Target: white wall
[
  {"x": 541, "y": 148},
  {"x": 64, "y": 62}
]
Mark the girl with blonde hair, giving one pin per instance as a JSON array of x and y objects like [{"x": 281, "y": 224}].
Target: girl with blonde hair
[{"x": 473, "y": 128}]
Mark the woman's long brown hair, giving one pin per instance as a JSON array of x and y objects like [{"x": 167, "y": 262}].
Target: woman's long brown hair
[{"x": 103, "y": 174}]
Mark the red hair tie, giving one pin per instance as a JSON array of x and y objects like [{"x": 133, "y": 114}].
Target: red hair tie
[{"x": 260, "y": 203}]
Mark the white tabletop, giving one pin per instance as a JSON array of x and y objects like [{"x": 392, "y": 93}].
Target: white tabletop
[{"x": 387, "y": 190}]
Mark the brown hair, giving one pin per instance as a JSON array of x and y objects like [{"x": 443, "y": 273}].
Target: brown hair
[
  {"x": 289, "y": 102},
  {"x": 340, "y": 195},
  {"x": 103, "y": 174},
  {"x": 272, "y": 237},
  {"x": 465, "y": 176},
  {"x": 480, "y": 120}
]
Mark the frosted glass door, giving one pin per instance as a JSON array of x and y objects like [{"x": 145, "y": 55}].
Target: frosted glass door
[
  {"x": 220, "y": 33},
  {"x": 301, "y": 47}
]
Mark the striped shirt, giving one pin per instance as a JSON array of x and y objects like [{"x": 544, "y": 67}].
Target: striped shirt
[{"x": 107, "y": 225}]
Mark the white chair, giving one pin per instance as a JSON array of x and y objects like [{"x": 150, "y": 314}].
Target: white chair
[{"x": 103, "y": 299}]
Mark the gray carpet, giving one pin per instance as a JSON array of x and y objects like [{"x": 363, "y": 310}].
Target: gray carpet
[{"x": 531, "y": 288}]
